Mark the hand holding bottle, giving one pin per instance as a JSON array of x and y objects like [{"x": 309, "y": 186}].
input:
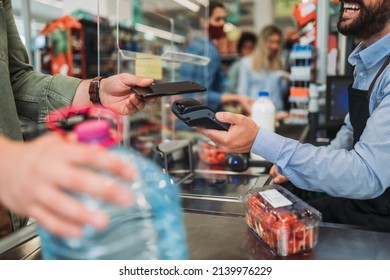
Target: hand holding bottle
[
  {"x": 150, "y": 228},
  {"x": 37, "y": 176}
]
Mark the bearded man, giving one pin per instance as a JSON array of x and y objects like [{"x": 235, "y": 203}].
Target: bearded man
[{"x": 354, "y": 169}]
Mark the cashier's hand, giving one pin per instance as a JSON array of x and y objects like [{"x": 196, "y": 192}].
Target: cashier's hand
[
  {"x": 36, "y": 178},
  {"x": 239, "y": 138},
  {"x": 278, "y": 178},
  {"x": 116, "y": 94}
]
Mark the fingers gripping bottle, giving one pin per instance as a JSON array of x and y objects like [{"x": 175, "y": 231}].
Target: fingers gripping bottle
[{"x": 150, "y": 228}]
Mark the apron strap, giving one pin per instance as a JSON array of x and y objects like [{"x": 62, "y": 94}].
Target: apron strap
[{"x": 387, "y": 62}]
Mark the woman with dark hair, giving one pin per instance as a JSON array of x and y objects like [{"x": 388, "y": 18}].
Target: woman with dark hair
[
  {"x": 211, "y": 76},
  {"x": 245, "y": 46}
]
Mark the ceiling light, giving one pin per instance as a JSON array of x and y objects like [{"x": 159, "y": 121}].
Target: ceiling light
[
  {"x": 160, "y": 33},
  {"x": 53, "y": 3},
  {"x": 189, "y": 5},
  {"x": 203, "y": 2}
]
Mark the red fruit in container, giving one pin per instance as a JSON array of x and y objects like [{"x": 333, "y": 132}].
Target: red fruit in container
[
  {"x": 285, "y": 223},
  {"x": 211, "y": 159},
  {"x": 210, "y": 154},
  {"x": 309, "y": 239},
  {"x": 268, "y": 219},
  {"x": 221, "y": 157},
  {"x": 288, "y": 218},
  {"x": 271, "y": 238},
  {"x": 299, "y": 229},
  {"x": 255, "y": 203},
  {"x": 292, "y": 246},
  {"x": 257, "y": 213},
  {"x": 250, "y": 220},
  {"x": 206, "y": 146},
  {"x": 295, "y": 245},
  {"x": 282, "y": 227}
]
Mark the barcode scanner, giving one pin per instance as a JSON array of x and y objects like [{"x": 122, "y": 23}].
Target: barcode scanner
[
  {"x": 241, "y": 162},
  {"x": 194, "y": 113}
]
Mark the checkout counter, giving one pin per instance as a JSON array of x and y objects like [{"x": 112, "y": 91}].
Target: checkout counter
[{"x": 216, "y": 228}]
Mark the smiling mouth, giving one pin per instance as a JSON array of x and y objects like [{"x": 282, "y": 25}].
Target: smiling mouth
[{"x": 350, "y": 8}]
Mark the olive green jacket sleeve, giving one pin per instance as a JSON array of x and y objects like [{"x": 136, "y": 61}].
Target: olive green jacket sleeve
[{"x": 25, "y": 92}]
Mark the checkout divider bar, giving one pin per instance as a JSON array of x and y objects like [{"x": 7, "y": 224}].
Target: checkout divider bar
[
  {"x": 18, "y": 237},
  {"x": 211, "y": 198}
]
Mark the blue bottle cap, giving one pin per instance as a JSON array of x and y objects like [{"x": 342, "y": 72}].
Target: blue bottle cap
[{"x": 263, "y": 93}]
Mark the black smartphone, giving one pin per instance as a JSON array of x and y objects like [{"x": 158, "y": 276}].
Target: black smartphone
[
  {"x": 194, "y": 113},
  {"x": 166, "y": 89}
]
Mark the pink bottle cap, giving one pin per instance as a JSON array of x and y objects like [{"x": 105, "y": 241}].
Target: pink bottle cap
[{"x": 96, "y": 131}]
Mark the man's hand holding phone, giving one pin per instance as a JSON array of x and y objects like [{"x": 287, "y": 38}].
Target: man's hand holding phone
[{"x": 168, "y": 89}]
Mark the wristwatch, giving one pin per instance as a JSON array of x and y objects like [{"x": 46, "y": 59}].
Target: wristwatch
[{"x": 93, "y": 90}]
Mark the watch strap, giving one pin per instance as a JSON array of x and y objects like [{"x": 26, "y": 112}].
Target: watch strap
[{"x": 93, "y": 90}]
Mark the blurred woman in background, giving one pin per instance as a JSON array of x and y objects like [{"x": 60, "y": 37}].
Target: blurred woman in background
[
  {"x": 245, "y": 47},
  {"x": 263, "y": 70}
]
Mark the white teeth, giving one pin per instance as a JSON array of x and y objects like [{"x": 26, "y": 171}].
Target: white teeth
[{"x": 351, "y": 6}]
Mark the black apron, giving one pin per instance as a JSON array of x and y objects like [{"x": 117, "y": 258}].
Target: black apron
[{"x": 370, "y": 212}]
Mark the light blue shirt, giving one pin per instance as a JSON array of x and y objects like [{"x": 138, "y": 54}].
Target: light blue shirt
[
  {"x": 341, "y": 170},
  {"x": 251, "y": 82}
]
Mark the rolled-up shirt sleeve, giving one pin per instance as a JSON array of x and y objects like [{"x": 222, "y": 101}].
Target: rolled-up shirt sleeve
[{"x": 36, "y": 95}]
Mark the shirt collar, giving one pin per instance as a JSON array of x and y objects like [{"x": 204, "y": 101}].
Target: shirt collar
[{"x": 371, "y": 55}]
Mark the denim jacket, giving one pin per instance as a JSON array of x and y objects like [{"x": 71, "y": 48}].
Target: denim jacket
[{"x": 24, "y": 92}]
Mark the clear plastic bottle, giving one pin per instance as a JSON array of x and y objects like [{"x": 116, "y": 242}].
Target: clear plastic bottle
[
  {"x": 263, "y": 114},
  {"x": 151, "y": 228}
]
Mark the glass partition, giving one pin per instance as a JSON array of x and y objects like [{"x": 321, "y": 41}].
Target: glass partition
[{"x": 150, "y": 38}]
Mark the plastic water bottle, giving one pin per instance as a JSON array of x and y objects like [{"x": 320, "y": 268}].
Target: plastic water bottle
[
  {"x": 263, "y": 114},
  {"x": 263, "y": 111},
  {"x": 150, "y": 228}
]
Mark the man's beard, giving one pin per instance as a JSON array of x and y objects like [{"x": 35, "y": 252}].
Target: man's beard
[{"x": 370, "y": 21}]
